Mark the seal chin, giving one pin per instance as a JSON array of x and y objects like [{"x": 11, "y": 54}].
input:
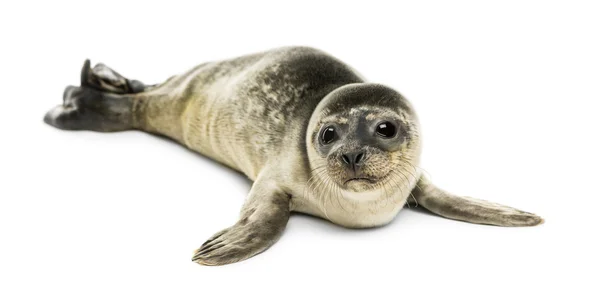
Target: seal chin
[{"x": 359, "y": 184}]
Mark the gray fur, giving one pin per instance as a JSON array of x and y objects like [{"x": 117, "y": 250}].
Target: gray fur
[
  {"x": 262, "y": 114},
  {"x": 89, "y": 109},
  {"x": 262, "y": 221},
  {"x": 469, "y": 209}
]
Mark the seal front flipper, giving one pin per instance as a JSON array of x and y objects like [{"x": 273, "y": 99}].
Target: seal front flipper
[
  {"x": 263, "y": 219},
  {"x": 470, "y": 210}
]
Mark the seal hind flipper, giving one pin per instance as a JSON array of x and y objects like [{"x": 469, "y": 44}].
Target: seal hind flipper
[
  {"x": 86, "y": 108},
  {"x": 263, "y": 219},
  {"x": 103, "y": 78},
  {"x": 104, "y": 101},
  {"x": 469, "y": 209}
]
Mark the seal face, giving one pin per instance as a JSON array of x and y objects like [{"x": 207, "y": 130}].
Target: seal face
[
  {"x": 365, "y": 138},
  {"x": 305, "y": 127},
  {"x": 363, "y": 145}
]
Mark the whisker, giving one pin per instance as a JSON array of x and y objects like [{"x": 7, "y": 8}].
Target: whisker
[
  {"x": 386, "y": 191},
  {"x": 400, "y": 174},
  {"x": 399, "y": 183},
  {"x": 338, "y": 192},
  {"x": 316, "y": 187},
  {"x": 309, "y": 184},
  {"x": 315, "y": 183},
  {"x": 392, "y": 186},
  {"x": 414, "y": 169},
  {"x": 415, "y": 200},
  {"x": 317, "y": 176},
  {"x": 327, "y": 197}
]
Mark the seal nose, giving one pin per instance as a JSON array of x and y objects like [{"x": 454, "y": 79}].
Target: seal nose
[{"x": 353, "y": 159}]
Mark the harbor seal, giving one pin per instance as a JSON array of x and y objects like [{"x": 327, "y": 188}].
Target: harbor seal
[{"x": 313, "y": 135}]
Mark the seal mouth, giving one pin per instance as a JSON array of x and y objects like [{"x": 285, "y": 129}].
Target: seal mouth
[{"x": 371, "y": 181}]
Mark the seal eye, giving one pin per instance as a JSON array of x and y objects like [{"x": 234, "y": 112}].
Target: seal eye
[
  {"x": 328, "y": 135},
  {"x": 386, "y": 129}
]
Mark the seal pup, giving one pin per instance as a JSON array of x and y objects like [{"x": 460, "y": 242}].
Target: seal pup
[{"x": 311, "y": 133}]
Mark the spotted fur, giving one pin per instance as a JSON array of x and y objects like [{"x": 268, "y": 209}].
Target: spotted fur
[{"x": 261, "y": 114}]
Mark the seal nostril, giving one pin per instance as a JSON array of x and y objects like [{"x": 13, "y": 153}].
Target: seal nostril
[
  {"x": 346, "y": 159},
  {"x": 358, "y": 158}
]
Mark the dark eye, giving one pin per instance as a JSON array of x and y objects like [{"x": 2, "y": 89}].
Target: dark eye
[
  {"x": 328, "y": 135},
  {"x": 386, "y": 129}
]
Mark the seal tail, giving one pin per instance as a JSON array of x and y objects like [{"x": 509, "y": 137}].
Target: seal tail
[{"x": 104, "y": 102}]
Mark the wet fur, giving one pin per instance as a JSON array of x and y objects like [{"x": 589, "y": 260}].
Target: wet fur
[{"x": 259, "y": 114}]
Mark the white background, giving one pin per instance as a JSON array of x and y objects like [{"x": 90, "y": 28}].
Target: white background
[{"x": 508, "y": 96}]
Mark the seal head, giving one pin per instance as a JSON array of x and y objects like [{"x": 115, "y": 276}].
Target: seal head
[{"x": 364, "y": 137}]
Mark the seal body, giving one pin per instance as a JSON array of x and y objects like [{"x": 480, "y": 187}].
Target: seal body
[
  {"x": 311, "y": 133},
  {"x": 245, "y": 112},
  {"x": 251, "y": 114}
]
